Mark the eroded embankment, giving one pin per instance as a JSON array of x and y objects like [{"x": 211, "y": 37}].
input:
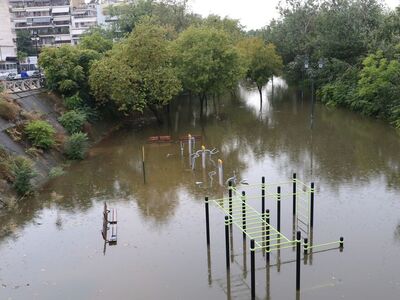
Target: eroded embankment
[{"x": 17, "y": 110}]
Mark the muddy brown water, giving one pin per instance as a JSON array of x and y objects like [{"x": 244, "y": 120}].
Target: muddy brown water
[{"x": 51, "y": 247}]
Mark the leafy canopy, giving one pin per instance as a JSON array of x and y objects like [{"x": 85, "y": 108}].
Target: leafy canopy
[
  {"x": 207, "y": 60},
  {"x": 138, "y": 72},
  {"x": 262, "y": 61}
]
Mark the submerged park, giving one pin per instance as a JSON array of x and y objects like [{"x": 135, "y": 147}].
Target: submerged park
[{"x": 231, "y": 163}]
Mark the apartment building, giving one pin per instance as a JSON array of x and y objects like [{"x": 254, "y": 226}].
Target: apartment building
[
  {"x": 50, "y": 20},
  {"x": 83, "y": 16},
  {"x": 8, "y": 49}
]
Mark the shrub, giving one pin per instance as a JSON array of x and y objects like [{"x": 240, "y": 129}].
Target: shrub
[
  {"x": 56, "y": 172},
  {"x": 41, "y": 134},
  {"x": 8, "y": 110},
  {"x": 74, "y": 102},
  {"x": 76, "y": 146},
  {"x": 23, "y": 173},
  {"x": 72, "y": 121},
  {"x": 5, "y": 166}
]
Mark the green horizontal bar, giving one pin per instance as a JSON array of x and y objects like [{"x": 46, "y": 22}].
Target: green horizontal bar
[{"x": 323, "y": 245}]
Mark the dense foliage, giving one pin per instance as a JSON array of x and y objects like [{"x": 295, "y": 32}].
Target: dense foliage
[
  {"x": 76, "y": 146},
  {"x": 23, "y": 173},
  {"x": 72, "y": 121},
  {"x": 41, "y": 134},
  {"x": 359, "y": 41},
  {"x": 261, "y": 61},
  {"x": 138, "y": 72},
  {"x": 207, "y": 61},
  {"x": 152, "y": 52}
]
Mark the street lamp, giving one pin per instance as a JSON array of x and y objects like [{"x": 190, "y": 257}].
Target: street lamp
[
  {"x": 312, "y": 71},
  {"x": 35, "y": 37}
]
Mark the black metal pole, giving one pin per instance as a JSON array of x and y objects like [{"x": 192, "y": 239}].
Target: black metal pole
[
  {"x": 262, "y": 194},
  {"x": 267, "y": 219},
  {"x": 294, "y": 193},
  {"x": 298, "y": 246},
  {"x": 244, "y": 213},
  {"x": 312, "y": 205},
  {"x": 143, "y": 167},
  {"x": 230, "y": 197},
  {"x": 279, "y": 208},
  {"x": 341, "y": 243},
  {"x": 207, "y": 221},
  {"x": 253, "y": 270},
  {"x": 227, "y": 242},
  {"x": 305, "y": 246},
  {"x": 312, "y": 101}
]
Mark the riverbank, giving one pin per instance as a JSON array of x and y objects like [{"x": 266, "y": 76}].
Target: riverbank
[{"x": 17, "y": 110}]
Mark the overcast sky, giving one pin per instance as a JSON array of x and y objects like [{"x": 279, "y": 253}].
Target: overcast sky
[{"x": 251, "y": 13}]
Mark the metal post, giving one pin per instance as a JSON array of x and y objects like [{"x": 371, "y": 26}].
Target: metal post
[
  {"x": 294, "y": 193},
  {"x": 253, "y": 270},
  {"x": 143, "y": 166},
  {"x": 312, "y": 102},
  {"x": 305, "y": 246},
  {"x": 190, "y": 149},
  {"x": 341, "y": 244},
  {"x": 181, "y": 147},
  {"x": 312, "y": 205},
  {"x": 262, "y": 194},
  {"x": 244, "y": 213},
  {"x": 207, "y": 221},
  {"x": 230, "y": 199},
  {"x": 278, "y": 198},
  {"x": 203, "y": 157},
  {"x": 298, "y": 246},
  {"x": 267, "y": 220},
  {"x": 220, "y": 172},
  {"x": 227, "y": 242}
]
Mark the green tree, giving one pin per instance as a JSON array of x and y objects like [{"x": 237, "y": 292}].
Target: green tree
[
  {"x": 262, "y": 62},
  {"x": 207, "y": 61},
  {"x": 95, "y": 41},
  {"x": 67, "y": 68},
  {"x": 25, "y": 43},
  {"x": 379, "y": 86},
  {"x": 138, "y": 72},
  {"x": 167, "y": 13},
  {"x": 344, "y": 29}
]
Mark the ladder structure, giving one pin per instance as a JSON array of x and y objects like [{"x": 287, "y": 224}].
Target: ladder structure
[{"x": 256, "y": 225}]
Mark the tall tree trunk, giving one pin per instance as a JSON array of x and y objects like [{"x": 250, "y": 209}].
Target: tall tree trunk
[
  {"x": 261, "y": 99},
  {"x": 156, "y": 113},
  {"x": 201, "y": 103}
]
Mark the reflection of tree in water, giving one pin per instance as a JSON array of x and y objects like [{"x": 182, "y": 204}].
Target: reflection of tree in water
[
  {"x": 344, "y": 147},
  {"x": 397, "y": 233}
]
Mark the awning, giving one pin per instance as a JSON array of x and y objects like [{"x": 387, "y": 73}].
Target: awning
[
  {"x": 59, "y": 10},
  {"x": 31, "y": 9},
  {"x": 61, "y": 18},
  {"x": 40, "y": 20},
  {"x": 62, "y": 38}
]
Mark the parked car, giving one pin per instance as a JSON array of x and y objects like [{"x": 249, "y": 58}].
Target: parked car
[
  {"x": 37, "y": 74},
  {"x": 23, "y": 75},
  {"x": 12, "y": 76}
]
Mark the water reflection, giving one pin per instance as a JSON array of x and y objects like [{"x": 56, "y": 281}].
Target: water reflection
[{"x": 341, "y": 147}]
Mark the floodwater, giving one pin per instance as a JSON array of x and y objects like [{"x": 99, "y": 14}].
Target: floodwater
[{"x": 51, "y": 246}]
